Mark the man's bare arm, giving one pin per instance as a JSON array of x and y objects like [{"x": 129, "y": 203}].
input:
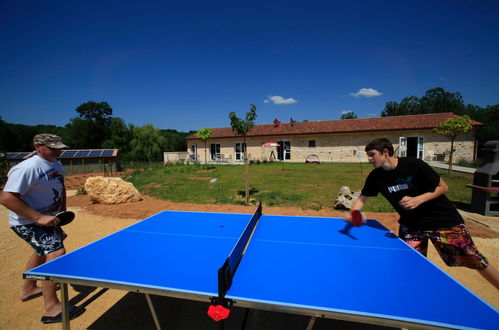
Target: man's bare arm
[{"x": 13, "y": 202}]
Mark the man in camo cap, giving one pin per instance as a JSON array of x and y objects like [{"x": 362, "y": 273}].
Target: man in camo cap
[
  {"x": 49, "y": 140},
  {"x": 34, "y": 194}
]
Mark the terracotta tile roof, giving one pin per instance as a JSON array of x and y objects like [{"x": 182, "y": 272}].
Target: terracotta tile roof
[{"x": 392, "y": 123}]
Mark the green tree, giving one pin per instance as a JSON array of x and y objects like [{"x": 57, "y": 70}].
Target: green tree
[
  {"x": 408, "y": 106},
  {"x": 489, "y": 116},
  {"x": 242, "y": 128},
  {"x": 175, "y": 141},
  {"x": 6, "y": 137},
  {"x": 451, "y": 128},
  {"x": 147, "y": 144},
  {"x": 349, "y": 115},
  {"x": 120, "y": 136},
  {"x": 438, "y": 100},
  {"x": 435, "y": 100},
  {"x": 204, "y": 134},
  {"x": 19, "y": 137},
  {"x": 392, "y": 109},
  {"x": 93, "y": 127}
]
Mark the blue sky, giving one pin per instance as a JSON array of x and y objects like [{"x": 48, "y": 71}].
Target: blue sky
[{"x": 186, "y": 64}]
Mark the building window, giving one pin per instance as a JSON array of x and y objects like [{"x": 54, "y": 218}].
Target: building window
[{"x": 311, "y": 143}]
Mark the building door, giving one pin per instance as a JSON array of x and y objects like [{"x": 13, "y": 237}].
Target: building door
[
  {"x": 194, "y": 153},
  {"x": 411, "y": 146},
  {"x": 284, "y": 150},
  {"x": 239, "y": 150},
  {"x": 215, "y": 151}
]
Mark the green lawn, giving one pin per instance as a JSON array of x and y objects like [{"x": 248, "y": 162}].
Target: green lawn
[{"x": 308, "y": 186}]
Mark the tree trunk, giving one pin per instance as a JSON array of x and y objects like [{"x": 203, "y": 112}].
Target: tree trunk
[
  {"x": 205, "y": 158},
  {"x": 450, "y": 156},
  {"x": 246, "y": 172}
]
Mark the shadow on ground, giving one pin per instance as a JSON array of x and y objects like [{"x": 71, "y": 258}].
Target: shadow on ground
[{"x": 132, "y": 312}]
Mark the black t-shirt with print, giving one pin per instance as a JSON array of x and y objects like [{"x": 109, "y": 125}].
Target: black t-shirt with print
[{"x": 413, "y": 177}]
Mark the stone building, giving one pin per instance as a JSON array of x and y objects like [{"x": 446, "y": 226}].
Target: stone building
[{"x": 336, "y": 140}]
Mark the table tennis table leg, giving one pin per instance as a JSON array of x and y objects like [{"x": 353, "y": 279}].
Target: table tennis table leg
[
  {"x": 153, "y": 311},
  {"x": 311, "y": 323},
  {"x": 65, "y": 305}
]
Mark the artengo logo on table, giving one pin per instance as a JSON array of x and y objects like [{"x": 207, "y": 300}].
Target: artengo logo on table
[{"x": 35, "y": 277}]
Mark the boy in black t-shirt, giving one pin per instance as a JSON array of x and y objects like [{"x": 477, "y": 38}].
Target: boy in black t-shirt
[{"x": 416, "y": 192}]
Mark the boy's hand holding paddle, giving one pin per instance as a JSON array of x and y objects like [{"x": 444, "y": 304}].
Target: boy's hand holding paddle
[{"x": 356, "y": 218}]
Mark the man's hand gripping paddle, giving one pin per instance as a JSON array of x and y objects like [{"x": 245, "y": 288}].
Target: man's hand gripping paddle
[{"x": 65, "y": 217}]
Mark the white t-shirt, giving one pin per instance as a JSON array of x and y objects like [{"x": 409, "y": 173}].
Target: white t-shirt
[{"x": 40, "y": 184}]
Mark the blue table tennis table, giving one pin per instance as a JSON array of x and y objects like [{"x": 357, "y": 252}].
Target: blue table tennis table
[{"x": 302, "y": 265}]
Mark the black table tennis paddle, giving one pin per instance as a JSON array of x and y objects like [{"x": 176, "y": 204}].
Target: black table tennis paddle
[{"x": 65, "y": 217}]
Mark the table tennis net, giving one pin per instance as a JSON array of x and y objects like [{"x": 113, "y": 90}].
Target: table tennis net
[{"x": 227, "y": 271}]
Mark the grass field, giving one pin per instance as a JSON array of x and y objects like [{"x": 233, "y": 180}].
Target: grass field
[{"x": 307, "y": 186}]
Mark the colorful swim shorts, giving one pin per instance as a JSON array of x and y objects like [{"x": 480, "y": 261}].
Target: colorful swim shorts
[
  {"x": 454, "y": 245},
  {"x": 43, "y": 239}
]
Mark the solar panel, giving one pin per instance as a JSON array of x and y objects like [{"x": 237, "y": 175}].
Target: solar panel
[
  {"x": 82, "y": 153},
  {"x": 17, "y": 155},
  {"x": 94, "y": 153},
  {"x": 69, "y": 153}
]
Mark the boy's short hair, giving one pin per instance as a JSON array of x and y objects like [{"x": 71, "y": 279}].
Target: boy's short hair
[{"x": 380, "y": 144}]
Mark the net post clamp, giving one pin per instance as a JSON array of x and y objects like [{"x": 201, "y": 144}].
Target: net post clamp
[{"x": 220, "y": 308}]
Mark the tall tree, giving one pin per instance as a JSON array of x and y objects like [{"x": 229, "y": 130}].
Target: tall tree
[
  {"x": 438, "y": 100},
  {"x": 120, "y": 136},
  {"x": 434, "y": 101},
  {"x": 410, "y": 105},
  {"x": 204, "y": 134},
  {"x": 451, "y": 128},
  {"x": 392, "y": 109},
  {"x": 6, "y": 137},
  {"x": 349, "y": 115},
  {"x": 489, "y": 116},
  {"x": 175, "y": 141},
  {"x": 93, "y": 126},
  {"x": 242, "y": 128},
  {"x": 147, "y": 144}
]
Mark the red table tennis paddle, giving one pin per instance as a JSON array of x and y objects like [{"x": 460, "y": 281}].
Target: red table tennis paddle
[
  {"x": 358, "y": 218},
  {"x": 65, "y": 217}
]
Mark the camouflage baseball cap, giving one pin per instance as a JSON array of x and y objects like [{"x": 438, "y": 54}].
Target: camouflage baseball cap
[{"x": 49, "y": 140}]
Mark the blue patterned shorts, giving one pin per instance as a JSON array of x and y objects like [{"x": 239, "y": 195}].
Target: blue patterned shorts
[{"x": 43, "y": 240}]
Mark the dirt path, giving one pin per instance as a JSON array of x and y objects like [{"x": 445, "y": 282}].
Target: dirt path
[{"x": 96, "y": 221}]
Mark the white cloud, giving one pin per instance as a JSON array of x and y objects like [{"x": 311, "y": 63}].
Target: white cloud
[
  {"x": 366, "y": 92},
  {"x": 280, "y": 100}
]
